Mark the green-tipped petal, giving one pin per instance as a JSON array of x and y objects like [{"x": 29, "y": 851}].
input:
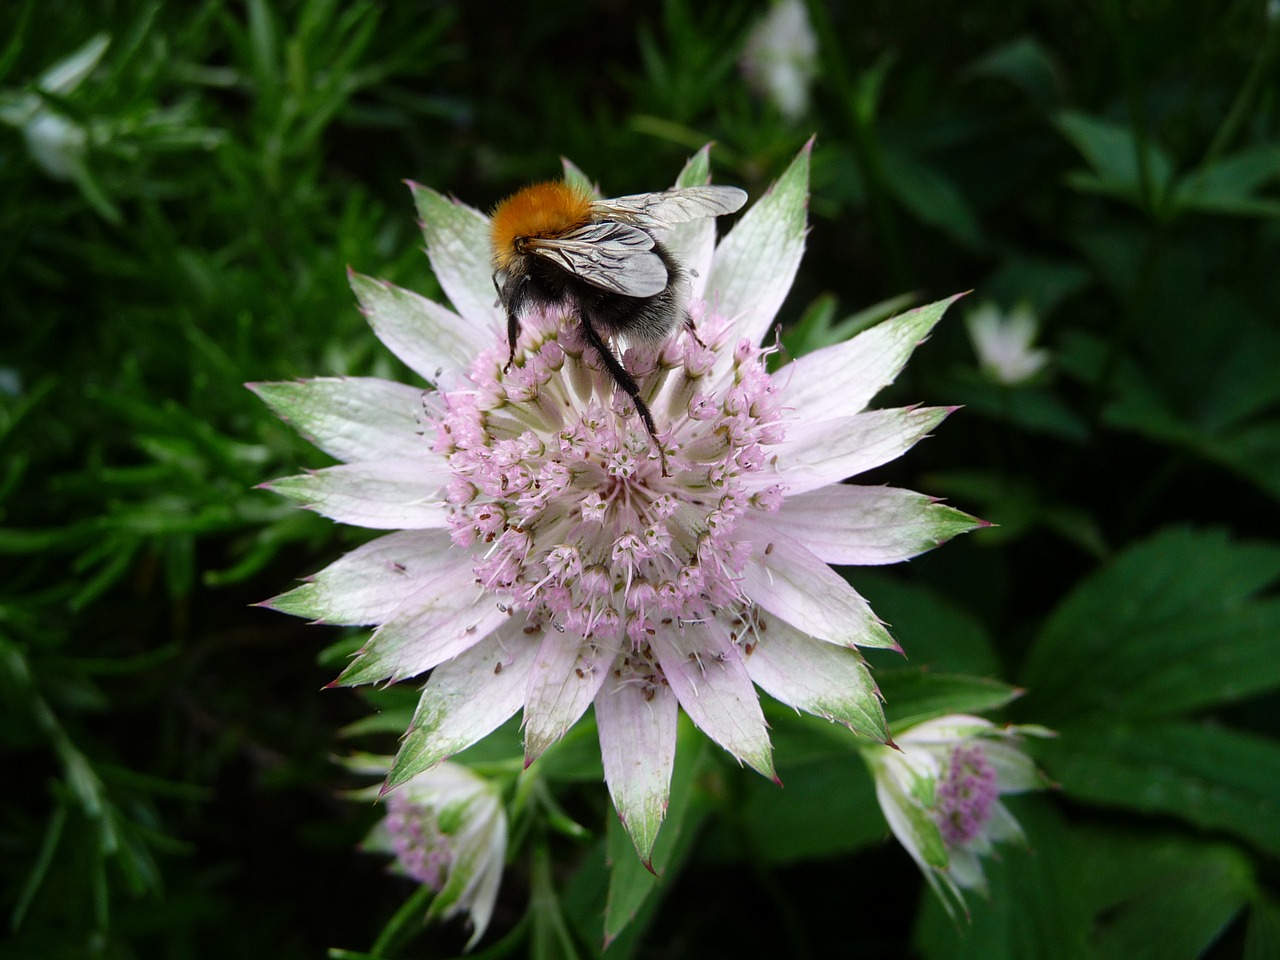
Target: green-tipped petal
[
  {"x": 432, "y": 340},
  {"x": 352, "y": 418},
  {"x": 848, "y": 524},
  {"x": 638, "y": 747},
  {"x": 841, "y": 379},
  {"x": 566, "y": 676},
  {"x": 458, "y": 247},
  {"x": 755, "y": 264},
  {"x": 705, "y": 670},
  {"x": 693, "y": 243},
  {"x": 465, "y": 699},
  {"x": 368, "y": 584},
  {"x": 816, "y": 677},
  {"x": 383, "y": 495},
  {"x": 790, "y": 582},
  {"x": 820, "y": 452}
]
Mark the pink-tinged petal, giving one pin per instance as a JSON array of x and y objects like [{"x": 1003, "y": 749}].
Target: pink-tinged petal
[
  {"x": 383, "y": 495},
  {"x": 693, "y": 243},
  {"x": 839, "y": 380},
  {"x": 816, "y": 677},
  {"x": 637, "y": 725},
  {"x": 369, "y": 583},
  {"x": 352, "y": 418},
  {"x": 465, "y": 699},
  {"x": 820, "y": 452},
  {"x": 705, "y": 670},
  {"x": 437, "y": 623},
  {"x": 458, "y": 247},
  {"x": 566, "y": 675},
  {"x": 432, "y": 340},
  {"x": 756, "y": 262},
  {"x": 843, "y": 523},
  {"x": 789, "y": 581}
]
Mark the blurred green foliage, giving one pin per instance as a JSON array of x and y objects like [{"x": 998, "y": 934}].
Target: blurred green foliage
[{"x": 181, "y": 189}]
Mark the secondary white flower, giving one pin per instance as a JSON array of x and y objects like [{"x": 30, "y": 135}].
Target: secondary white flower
[
  {"x": 544, "y": 560},
  {"x": 780, "y": 58},
  {"x": 55, "y": 141},
  {"x": 1003, "y": 343},
  {"x": 447, "y": 829},
  {"x": 940, "y": 792}
]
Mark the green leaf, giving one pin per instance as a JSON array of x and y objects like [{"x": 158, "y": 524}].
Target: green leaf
[
  {"x": 1162, "y": 898},
  {"x": 1262, "y": 939},
  {"x": 1112, "y": 151},
  {"x": 826, "y": 806},
  {"x": 1216, "y": 778},
  {"x": 1027, "y": 65},
  {"x": 933, "y": 632},
  {"x": 1227, "y": 185},
  {"x": 931, "y": 197},
  {"x": 913, "y": 695},
  {"x": 1167, "y": 626}
]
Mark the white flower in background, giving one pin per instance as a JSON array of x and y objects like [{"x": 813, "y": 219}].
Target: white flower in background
[
  {"x": 779, "y": 59},
  {"x": 940, "y": 792},
  {"x": 1002, "y": 343},
  {"x": 56, "y": 142},
  {"x": 545, "y": 561},
  {"x": 447, "y": 829}
]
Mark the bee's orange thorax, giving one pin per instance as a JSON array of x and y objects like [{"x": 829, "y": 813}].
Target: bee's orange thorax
[{"x": 540, "y": 210}]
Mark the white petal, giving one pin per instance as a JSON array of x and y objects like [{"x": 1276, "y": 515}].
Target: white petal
[
  {"x": 843, "y": 523},
  {"x": 566, "y": 675},
  {"x": 432, "y": 340},
  {"x": 370, "y": 582},
  {"x": 383, "y": 495},
  {"x": 790, "y": 582},
  {"x": 816, "y": 677},
  {"x": 755, "y": 264},
  {"x": 694, "y": 242},
  {"x": 458, "y": 246},
  {"x": 704, "y": 668},
  {"x": 638, "y": 746},
  {"x": 352, "y": 418},
  {"x": 818, "y": 452},
  {"x": 448, "y": 615},
  {"x": 839, "y": 380},
  {"x": 465, "y": 699}
]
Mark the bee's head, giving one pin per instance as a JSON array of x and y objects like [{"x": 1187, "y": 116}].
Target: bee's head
[{"x": 539, "y": 210}]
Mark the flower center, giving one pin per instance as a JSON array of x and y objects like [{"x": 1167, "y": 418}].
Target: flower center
[
  {"x": 422, "y": 850},
  {"x": 965, "y": 796},
  {"x": 558, "y": 490}
]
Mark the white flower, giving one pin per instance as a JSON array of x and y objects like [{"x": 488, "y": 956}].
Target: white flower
[
  {"x": 1003, "y": 343},
  {"x": 940, "y": 792},
  {"x": 545, "y": 561},
  {"x": 779, "y": 59},
  {"x": 447, "y": 829}
]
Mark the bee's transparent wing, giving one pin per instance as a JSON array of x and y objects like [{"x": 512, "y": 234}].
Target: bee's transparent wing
[
  {"x": 679, "y": 205},
  {"x": 612, "y": 256}
]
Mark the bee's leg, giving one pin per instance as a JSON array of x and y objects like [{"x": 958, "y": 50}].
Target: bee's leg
[
  {"x": 513, "y": 293},
  {"x": 693, "y": 331},
  {"x": 623, "y": 379}
]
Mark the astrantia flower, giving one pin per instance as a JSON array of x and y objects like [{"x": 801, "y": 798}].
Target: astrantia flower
[
  {"x": 544, "y": 560},
  {"x": 1003, "y": 341},
  {"x": 447, "y": 829},
  {"x": 940, "y": 792}
]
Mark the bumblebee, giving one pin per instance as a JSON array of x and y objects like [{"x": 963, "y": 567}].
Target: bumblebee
[{"x": 555, "y": 246}]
